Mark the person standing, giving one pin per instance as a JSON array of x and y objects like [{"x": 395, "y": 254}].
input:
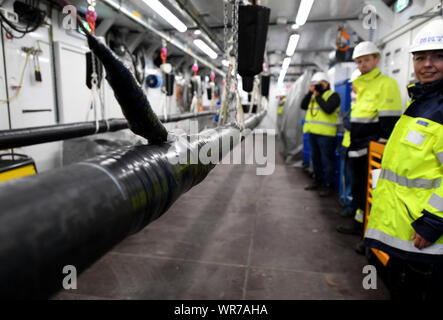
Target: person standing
[
  {"x": 281, "y": 107},
  {"x": 406, "y": 219},
  {"x": 373, "y": 116},
  {"x": 349, "y": 210},
  {"x": 321, "y": 105}
]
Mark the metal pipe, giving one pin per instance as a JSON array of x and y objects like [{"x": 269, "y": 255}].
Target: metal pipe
[
  {"x": 288, "y": 23},
  {"x": 16, "y": 138},
  {"x": 73, "y": 215}
]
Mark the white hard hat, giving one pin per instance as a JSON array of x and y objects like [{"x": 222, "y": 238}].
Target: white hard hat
[
  {"x": 355, "y": 74},
  {"x": 319, "y": 76},
  {"x": 429, "y": 37},
  {"x": 364, "y": 48}
]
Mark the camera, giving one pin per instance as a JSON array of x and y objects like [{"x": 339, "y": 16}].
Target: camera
[{"x": 318, "y": 87}]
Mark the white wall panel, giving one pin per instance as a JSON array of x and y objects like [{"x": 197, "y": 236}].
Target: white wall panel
[
  {"x": 395, "y": 63},
  {"x": 73, "y": 95},
  {"x": 4, "y": 113},
  {"x": 33, "y": 95},
  {"x": 112, "y": 107},
  {"x": 35, "y": 104}
]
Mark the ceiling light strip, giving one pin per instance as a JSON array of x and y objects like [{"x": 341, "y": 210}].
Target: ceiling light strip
[
  {"x": 167, "y": 15},
  {"x": 303, "y": 11},
  {"x": 165, "y": 36},
  {"x": 292, "y": 44},
  {"x": 205, "y": 48}
]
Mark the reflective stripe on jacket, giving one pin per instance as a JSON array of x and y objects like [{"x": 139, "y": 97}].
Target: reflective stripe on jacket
[
  {"x": 409, "y": 193},
  {"x": 319, "y": 122}
]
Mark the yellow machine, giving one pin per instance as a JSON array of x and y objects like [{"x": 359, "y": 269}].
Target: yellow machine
[{"x": 17, "y": 166}]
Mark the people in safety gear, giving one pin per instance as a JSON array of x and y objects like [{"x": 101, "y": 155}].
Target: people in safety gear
[
  {"x": 322, "y": 105},
  {"x": 406, "y": 219},
  {"x": 281, "y": 107},
  {"x": 346, "y": 142},
  {"x": 373, "y": 116}
]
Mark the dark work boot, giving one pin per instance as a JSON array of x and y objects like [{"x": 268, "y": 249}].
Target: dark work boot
[
  {"x": 348, "y": 213},
  {"x": 314, "y": 186},
  {"x": 351, "y": 228},
  {"x": 326, "y": 191},
  {"x": 360, "y": 247}
]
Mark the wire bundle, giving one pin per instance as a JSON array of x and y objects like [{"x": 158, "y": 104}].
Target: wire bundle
[{"x": 29, "y": 13}]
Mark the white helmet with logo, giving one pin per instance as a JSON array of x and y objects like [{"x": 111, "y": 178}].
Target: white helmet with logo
[
  {"x": 429, "y": 37},
  {"x": 364, "y": 48},
  {"x": 319, "y": 76}
]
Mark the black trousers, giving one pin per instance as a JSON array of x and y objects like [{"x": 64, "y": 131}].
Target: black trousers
[
  {"x": 359, "y": 178},
  {"x": 413, "y": 281}
]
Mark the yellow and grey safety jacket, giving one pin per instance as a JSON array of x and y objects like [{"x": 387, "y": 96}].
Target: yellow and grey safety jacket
[
  {"x": 322, "y": 114},
  {"x": 375, "y": 112},
  {"x": 408, "y": 197}
]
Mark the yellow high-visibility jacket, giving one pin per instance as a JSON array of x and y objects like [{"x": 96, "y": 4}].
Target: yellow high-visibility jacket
[
  {"x": 408, "y": 197},
  {"x": 318, "y": 121},
  {"x": 375, "y": 111}
]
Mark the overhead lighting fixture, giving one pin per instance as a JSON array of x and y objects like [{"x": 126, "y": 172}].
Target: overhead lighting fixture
[
  {"x": 292, "y": 44},
  {"x": 225, "y": 63},
  {"x": 197, "y": 32},
  {"x": 281, "y": 78},
  {"x": 166, "y": 14},
  {"x": 285, "y": 64},
  {"x": 205, "y": 48},
  {"x": 284, "y": 68},
  {"x": 295, "y": 26},
  {"x": 303, "y": 11}
]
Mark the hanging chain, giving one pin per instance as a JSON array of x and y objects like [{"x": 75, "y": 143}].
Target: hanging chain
[
  {"x": 235, "y": 39},
  {"x": 94, "y": 76},
  {"x": 225, "y": 30}
]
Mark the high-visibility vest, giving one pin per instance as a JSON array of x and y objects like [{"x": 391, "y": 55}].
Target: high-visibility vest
[
  {"x": 409, "y": 193},
  {"x": 281, "y": 106},
  {"x": 319, "y": 122},
  {"x": 377, "y": 96}
]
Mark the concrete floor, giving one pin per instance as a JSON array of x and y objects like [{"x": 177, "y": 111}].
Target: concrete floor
[{"x": 236, "y": 236}]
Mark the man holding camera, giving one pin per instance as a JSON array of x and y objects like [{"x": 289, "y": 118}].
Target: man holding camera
[{"x": 322, "y": 106}]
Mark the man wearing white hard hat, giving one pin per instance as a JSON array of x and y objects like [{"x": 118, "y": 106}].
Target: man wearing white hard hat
[
  {"x": 321, "y": 105},
  {"x": 373, "y": 116},
  {"x": 406, "y": 218}
]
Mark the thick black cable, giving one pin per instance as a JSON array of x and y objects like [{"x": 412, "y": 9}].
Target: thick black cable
[{"x": 75, "y": 214}]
